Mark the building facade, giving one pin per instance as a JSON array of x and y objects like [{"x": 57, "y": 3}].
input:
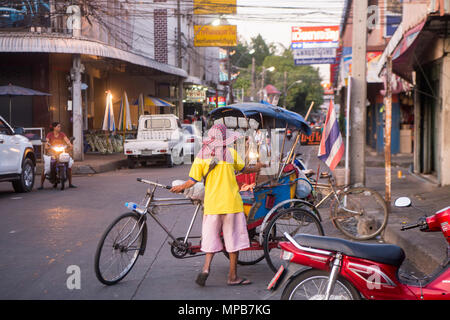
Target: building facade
[{"x": 79, "y": 50}]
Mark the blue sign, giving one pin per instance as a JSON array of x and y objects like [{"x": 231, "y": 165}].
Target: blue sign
[
  {"x": 19, "y": 14},
  {"x": 392, "y": 23}
]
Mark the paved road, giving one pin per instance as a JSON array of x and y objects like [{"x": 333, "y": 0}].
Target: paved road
[{"x": 45, "y": 232}]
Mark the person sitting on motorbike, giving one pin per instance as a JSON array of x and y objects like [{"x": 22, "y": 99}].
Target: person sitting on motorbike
[{"x": 56, "y": 137}]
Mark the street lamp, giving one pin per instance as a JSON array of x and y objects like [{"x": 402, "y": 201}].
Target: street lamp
[
  {"x": 290, "y": 86},
  {"x": 263, "y": 73}
]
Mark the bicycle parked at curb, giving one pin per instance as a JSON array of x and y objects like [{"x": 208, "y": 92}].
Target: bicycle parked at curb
[{"x": 358, "y": 212}]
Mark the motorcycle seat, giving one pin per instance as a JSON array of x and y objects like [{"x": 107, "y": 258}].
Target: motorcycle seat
[{"x": 383, "y": 253}]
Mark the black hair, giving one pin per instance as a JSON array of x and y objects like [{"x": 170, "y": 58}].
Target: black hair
[{"x": 54, "y": 125}]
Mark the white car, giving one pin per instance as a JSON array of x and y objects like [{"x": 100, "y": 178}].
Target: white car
[
  {"x": 192, "y": 141},
  {"x": 17, "y": 158},
  {"x": 159, "y": 137}
]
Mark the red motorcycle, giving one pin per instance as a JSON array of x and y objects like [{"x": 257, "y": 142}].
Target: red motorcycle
[{"x": 345, "y": 270}]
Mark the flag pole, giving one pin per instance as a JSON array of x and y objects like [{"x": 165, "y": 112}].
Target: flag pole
[{"x": 347, "y": 133}]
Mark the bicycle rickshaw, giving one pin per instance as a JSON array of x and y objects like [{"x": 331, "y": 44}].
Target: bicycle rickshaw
[{"x": 271, "y": 206}]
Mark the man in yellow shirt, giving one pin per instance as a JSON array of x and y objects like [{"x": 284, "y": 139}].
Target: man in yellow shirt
[{"x": 223, "y": 207}]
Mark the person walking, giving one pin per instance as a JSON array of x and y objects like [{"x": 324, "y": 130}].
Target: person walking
[{"x": 223, "y": 209}]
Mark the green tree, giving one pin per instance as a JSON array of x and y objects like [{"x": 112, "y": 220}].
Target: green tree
[{"x": 299, "y": 95}]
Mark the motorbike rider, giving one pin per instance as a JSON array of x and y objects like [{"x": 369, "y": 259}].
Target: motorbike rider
[{"x": 56, "y": 137}]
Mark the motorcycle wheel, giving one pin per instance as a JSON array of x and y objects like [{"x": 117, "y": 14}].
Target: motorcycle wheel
[
  {"x": 62, "y": 177},
  {"x": 312, "y": 285}
]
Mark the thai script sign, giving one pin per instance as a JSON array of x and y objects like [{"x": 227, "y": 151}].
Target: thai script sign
[
  {"x": 215, "y": 36},
  {"x": 314, "y": 56},
  {"x": 214, "y": 6}
]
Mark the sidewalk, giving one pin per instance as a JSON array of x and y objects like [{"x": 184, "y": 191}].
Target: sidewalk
[
  {"x": 425, "y": 250},
  {"x": 94, "y": 163}
]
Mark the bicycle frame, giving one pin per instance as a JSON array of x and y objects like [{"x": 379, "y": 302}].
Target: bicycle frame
[
  {"x": 334, "y": 193},
  {"x": 151, "y": 203}
]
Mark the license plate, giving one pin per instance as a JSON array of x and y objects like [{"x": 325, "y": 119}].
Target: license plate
[
  {"x": 146, "y": 152},
  {"x": 277, "y": 278}
]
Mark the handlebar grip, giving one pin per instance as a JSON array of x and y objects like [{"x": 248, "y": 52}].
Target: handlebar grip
[
  {"x": 411, "y": 226},
  {"x": 139, "y": 179}
]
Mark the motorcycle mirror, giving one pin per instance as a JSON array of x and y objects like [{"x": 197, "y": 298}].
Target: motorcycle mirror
[{"x": 402, "y": 202}]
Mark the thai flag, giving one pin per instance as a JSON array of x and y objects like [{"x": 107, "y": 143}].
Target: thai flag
[{"x": 331, "y": 147}]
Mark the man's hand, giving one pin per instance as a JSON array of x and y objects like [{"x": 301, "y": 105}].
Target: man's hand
[
  {"x": 177, "y": 189},
  {"x": 254, "y": 168},
  {"x": 182, "y": 187}
]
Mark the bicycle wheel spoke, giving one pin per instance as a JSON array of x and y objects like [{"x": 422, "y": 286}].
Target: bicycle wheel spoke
[
  {"x": 119, "y": 249},
  {"x": 360, "y": 213}
]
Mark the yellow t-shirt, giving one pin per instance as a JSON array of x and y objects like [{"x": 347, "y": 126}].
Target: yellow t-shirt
[{"x": 221, "y": 189}]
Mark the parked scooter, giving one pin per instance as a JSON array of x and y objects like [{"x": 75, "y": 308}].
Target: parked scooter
[
  {"x": 345, "y": 270},
  {"x": 59, "y": 165}
]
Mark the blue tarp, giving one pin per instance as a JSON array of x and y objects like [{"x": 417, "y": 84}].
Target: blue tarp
[{"x": 253, "y": 109}]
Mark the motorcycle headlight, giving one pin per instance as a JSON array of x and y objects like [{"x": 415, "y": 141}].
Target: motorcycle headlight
[{"x": 59, "y": 149}]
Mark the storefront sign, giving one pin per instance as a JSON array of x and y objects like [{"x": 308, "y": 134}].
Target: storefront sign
[
  {"x": 215, "y": 36},
  {"x": 195, "y": 95},
  {"x": 214, "y": 7},
  {"x": 313, "y": 139},
  {"x": 221, "y": 101},
  {"x": 314, "y": 56}
]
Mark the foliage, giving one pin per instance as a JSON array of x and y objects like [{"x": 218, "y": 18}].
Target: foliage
[{"x": 299, "y": 95}]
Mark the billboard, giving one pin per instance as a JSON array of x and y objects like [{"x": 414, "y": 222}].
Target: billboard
[
  {"x": 314, "y": 56},
  {"x": 314, "y": 45},
  {"x": 215, "y": 36},
  {"x": 315, "y": 37},
  {"x": 214, "y": 7}
]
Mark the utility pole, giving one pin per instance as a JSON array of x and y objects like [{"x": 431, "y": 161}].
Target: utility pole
[
  {"x": 230, "y": 88},
  {"x": 387, "y": 131},
  {"x": 77, "y": 110},
  {"x": 262, "y": 83},
  {"x": 253, "y": 80},
  {"x": 358, "y": 94},
  {"x": 179, "y": 62}
]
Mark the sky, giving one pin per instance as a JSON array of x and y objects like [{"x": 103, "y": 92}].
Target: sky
[{"x": 273, "y": 19}]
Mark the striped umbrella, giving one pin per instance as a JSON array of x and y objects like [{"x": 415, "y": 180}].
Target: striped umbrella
[
  {"x": 154, "y": 102},
  {"x": 140, "y": 104},
  {"x": 108, "y": 121},
  {"x": 124, "y": 117}
]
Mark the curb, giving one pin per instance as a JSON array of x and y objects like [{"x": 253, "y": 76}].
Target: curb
[
  {"x": 419, "y": 256},
  {"x": 80, "y": 169}
]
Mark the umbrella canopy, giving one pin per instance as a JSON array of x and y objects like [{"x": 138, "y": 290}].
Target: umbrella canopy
[
  {"x": 124, "y": 117},
  {"x": 255, "y": 110},
  {"x": 155, "y": 102},
  {"x": 12, "y": 90},
  {"x": 108, "y": 121}
]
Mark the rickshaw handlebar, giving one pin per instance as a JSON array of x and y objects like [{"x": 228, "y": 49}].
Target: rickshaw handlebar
[{"x": 154, "y": 183}]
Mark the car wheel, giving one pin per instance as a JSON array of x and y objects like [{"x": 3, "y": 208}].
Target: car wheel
[
  {"x": 131, "y": 163},
  {"x": 26, "y": 180},
  {"x": 169, "y": 161}
]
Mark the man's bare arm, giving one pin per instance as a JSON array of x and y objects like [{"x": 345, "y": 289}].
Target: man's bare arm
[{"x": 182, "y": 187}]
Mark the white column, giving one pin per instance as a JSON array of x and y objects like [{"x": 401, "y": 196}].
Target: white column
[{"x": 77, "y": 117}]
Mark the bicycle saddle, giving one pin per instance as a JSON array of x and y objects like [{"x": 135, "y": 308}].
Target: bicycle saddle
[{"x": 384, "y": 253}]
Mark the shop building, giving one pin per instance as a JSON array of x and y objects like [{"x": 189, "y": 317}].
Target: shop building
[{"x": 420, "y": 55}]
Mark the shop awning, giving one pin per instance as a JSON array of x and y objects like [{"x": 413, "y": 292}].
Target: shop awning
[
  {"x": 403, "y": 48},
  {"x": 33, "y": 42}
]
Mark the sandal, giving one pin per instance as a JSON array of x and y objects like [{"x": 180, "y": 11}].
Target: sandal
[
  {"x": 243, "y": 282},
  {"x": 201, "y": 278}
]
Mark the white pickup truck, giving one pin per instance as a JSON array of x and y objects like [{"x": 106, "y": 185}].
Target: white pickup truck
[{"x": 159, "y": 137}]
